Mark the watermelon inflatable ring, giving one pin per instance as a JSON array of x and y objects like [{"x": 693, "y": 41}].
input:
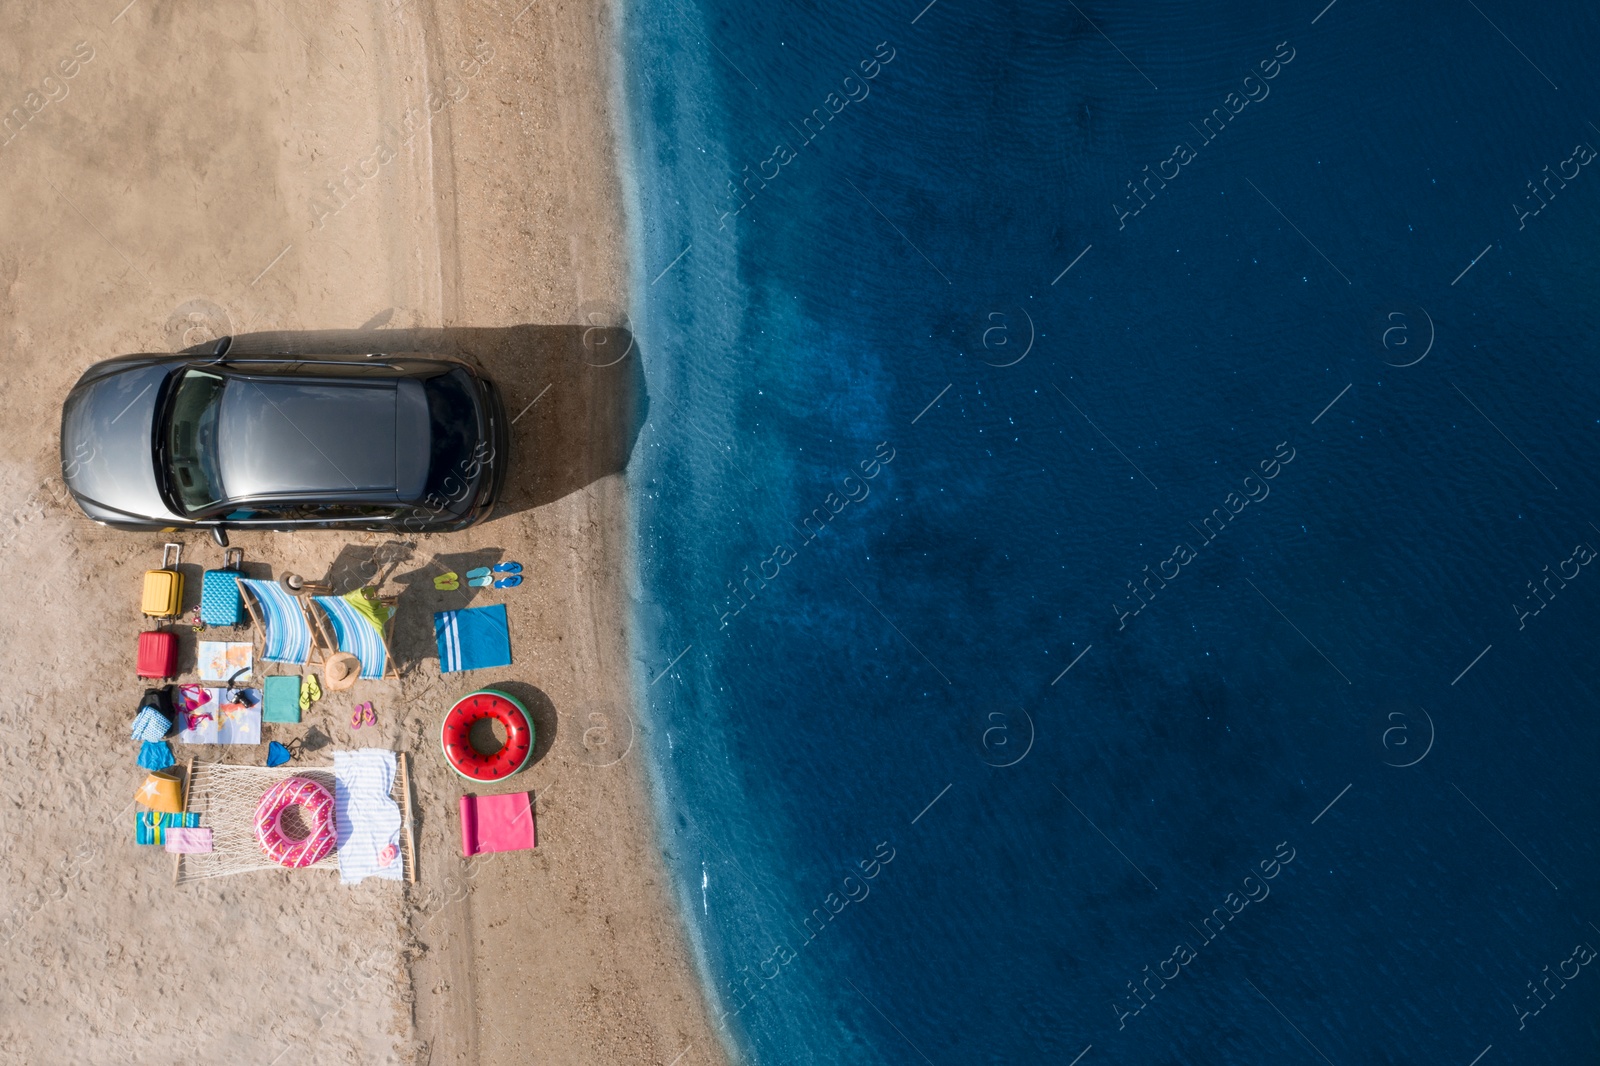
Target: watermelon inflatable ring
[{"x": 467, "y": 760}]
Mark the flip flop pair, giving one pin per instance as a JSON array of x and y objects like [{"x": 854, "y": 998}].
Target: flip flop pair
[
  {"x": 483, "y": 576},
  {"x": 363, "y": 714},
  {"x": 447, "y": 582},
  {"x": 310, "y": 691}
]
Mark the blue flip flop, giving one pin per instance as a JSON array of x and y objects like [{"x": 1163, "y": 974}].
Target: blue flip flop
[
  {"x": 509, "y": 582},
  {"x": 483, "y": 580},
  {"x": 477, "y": 572},
  {"x": 508, "y": 568}
]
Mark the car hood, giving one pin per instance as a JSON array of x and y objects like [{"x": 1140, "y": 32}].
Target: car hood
[
  {"x": 286, "y": 438},
  {"x": 107, "y": 425}
]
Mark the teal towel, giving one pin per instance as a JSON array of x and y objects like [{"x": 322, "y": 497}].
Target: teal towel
[{"x": 282, "y": 700}]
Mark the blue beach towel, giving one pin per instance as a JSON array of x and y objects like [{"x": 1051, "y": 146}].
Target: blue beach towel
[{"x": 475, "y": 638}]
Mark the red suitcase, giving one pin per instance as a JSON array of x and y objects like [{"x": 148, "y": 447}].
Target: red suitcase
[{"x": 158, "y": 655}]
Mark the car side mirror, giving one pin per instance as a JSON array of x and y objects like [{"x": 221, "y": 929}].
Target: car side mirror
[
  {"x": 221, "y": 350},
  {"x": 220, "y": 535}
]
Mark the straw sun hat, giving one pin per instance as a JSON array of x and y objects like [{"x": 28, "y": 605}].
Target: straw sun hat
[{"x": 341, "y": 671}]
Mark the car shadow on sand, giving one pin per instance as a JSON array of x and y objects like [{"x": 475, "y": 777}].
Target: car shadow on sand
[
  {"x": 424, "y": 584},
  {"x": 575, "y": 395}
]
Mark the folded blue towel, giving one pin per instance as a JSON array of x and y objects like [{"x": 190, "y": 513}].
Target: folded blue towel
[{"x": 475, "y": 638}]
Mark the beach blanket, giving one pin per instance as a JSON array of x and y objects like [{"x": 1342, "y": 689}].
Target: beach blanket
[
  {"x": 369, "y": 820},
  {"x": 150, "y": 827},
  {"x": 356, "y": 624},
  {"x": 474, "y": 638},
  {"x": 288, "y": 635},
  {"x": 496, "y": 823}
]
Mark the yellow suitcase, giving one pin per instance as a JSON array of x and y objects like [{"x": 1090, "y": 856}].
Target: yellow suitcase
[{"x": 163, "y": 589}]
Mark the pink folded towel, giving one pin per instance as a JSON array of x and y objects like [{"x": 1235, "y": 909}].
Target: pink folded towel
[
  {"x": 497, "y": 823},
  {"x": 187, "y": 840}
]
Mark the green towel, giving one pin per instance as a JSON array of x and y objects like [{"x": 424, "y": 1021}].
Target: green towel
[
  {"x": 365, "y": 600},
  {"x": 281, "y": 701}
]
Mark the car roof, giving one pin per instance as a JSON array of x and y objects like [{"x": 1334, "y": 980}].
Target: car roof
[{"x": 327, "y": 437}]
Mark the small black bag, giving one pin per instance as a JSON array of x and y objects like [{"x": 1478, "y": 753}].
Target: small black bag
[{"x": 159, "y": 700}]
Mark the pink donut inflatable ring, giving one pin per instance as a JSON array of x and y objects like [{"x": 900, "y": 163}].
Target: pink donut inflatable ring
[{"x": 318, "y": 805}]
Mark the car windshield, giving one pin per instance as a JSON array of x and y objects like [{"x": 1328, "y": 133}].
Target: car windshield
[
  {"x": 192, "y": 441},
  {"x": 453, "y": 425}
]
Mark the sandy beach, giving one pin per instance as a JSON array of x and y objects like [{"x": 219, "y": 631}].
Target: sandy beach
[{"x": 415, "y": 177}]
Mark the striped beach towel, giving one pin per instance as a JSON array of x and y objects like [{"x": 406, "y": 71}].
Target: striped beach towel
[
  {"x": 368, "y": 817},
  {"x": 475, "y": 638},
  {"x": 356, "y": 632},
  {"x": 288, "y": 635},
  {"x": 150, "y": 827}
]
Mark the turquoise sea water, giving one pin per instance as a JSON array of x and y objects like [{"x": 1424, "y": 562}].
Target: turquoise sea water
[{"x": 1113, "y": 525}]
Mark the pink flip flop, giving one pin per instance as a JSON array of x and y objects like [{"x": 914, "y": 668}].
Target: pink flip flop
[{"x": 363, "y": 714}]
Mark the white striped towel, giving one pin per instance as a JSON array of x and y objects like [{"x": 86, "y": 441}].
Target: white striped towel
[{"x": 369, "y": 819}]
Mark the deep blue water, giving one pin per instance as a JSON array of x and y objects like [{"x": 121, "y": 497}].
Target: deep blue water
[{"x": 1285, "y": 570}]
